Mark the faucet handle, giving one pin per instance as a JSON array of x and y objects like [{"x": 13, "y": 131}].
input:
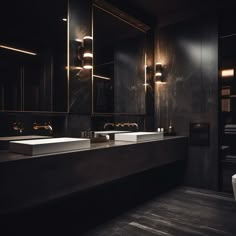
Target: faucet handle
[{"x": 18, "y": 126}]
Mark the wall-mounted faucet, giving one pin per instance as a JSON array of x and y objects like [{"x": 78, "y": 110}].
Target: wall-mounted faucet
[
  {"x": 46, "y": 126},
  {"x": 124, "y": 124},
  {"x": 108, "y": 124},
  {"x": 18, "y": 126}
]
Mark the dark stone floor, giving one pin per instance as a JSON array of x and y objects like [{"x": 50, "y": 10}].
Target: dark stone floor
[
  {"x": 144, "y": 204},
  {"x": 183, "y": 211}
]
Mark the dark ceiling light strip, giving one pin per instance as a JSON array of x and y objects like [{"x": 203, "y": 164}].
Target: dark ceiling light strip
[
  {"x": 110, "y": 9},
  {"x": 102, "y": 77},
  {"x": 18, "y": 50},
  {"x": 227, "y": 36}
]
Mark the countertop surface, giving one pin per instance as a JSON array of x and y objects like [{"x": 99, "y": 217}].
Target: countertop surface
[{"x": 6, "y": 156}]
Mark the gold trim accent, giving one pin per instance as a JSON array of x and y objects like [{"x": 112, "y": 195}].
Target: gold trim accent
[
  {"x": 74, "y": 68},
  {"x": 118, "y": 17},
  {"x": 117, "y": 113},
  {"x": 92, "y": 70},
  {"x": 102, "y": 77},
  {"x": 18, "y": 50},
  {"x": 112, "y": 10},
  {"x": 68, "y": 56},
  {"x": 145, "y": 75}
]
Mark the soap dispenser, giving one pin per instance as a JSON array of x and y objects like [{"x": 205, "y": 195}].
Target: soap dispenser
[{"x": 171, "y": 130}]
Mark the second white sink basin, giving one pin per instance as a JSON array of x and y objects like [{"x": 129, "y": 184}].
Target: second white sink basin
[
  {"x": 111, "y": 133},
  {"x": 47, "y": 146},
  {"x": 139, "y": 136}
]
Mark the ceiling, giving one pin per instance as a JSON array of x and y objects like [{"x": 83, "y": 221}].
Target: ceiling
[{"x": 164, "y": 10}]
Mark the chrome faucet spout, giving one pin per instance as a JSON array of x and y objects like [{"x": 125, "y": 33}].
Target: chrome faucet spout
[{"x": 18, "y": 126}]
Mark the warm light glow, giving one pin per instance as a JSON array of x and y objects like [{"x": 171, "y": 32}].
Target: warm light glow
[
  {"x": 102, "y": 77},
  {"x": 227, "y": 73},
  {"x": 158, "y": 82},
  {"x": 74, "y": 68},
  {"x": 158, "y": 63},
  {"x": 158, "y": 74},
  {"x": 88, "y": 37},
  {"x": 87, "y": 67},
  {"x": 18, "y": 50},
  {"x": 64, "y": 19},
  {"x": 87, "y": 54},
  {"x": 145, "y": 72},
  {"x": 78, "y": 40}
]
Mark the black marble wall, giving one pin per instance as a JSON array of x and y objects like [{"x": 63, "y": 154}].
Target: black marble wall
[
  {"x": 79, "y": 88},
  {"x": 27, "y": 119},
  {"x": 129, "y": 92},
  {"x": 80, "y": 15},
  {"x": 188, "y": 51}
]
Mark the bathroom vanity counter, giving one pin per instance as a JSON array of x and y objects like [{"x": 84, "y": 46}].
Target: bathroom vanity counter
[
  {"x": 6, "y": 156},
  {"x": 26, "y": 181}
]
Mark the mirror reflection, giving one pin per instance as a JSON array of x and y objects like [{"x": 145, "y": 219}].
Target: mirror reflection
[
  {"x": 33, "y": 52},
  {"x": 119, "y": 65}
]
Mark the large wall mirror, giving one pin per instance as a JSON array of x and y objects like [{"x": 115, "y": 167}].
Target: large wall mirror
[
  {"x": 33, "y": 55},
  {"x": 119, "y": 58}
]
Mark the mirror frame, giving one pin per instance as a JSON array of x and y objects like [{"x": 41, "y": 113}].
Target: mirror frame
[{"x": 123, "y": 16}]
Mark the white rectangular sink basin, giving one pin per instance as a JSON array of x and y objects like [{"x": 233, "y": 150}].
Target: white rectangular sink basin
[
  {"x": 23, "y": 137},
  {"x": 111, "y": 133},
  {"x": 47, "y": 146},
  {"x": 139, "y": 136},
  {"x": 4, "y": 141}
]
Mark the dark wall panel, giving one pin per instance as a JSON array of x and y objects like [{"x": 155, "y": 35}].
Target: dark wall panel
[
  {"x": 130, "y": 75},
  {"x": 189, "y": 53},
  {"x": 80, "y": 79}
]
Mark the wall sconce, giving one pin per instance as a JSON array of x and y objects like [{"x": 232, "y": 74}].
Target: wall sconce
[
  {"x": 227, "y": 73},
  {"x": 158, "y": 72},
  {"x": 83, "y": 53},
  {"x": 78, "y": 58},
  {"x": 88, "y": 53},
  {"x": 159, "y": 78}
]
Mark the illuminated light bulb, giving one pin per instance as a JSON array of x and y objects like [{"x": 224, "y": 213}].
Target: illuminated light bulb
[
  {"x": 88, "y": 54},
  {"x": 227, "y": 73}
]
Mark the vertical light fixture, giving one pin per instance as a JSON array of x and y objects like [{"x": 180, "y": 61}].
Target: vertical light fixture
[
  {"x": 158, "y": 73},
  {"x": 78, "y": 60},
  {"x": 88, "y": 53}
]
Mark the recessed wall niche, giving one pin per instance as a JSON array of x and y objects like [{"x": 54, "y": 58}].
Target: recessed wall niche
[{"x": 33, "y": 56}]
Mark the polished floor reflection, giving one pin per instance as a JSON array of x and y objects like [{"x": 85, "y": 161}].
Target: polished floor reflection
[{"x": 180, "y": 212}]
